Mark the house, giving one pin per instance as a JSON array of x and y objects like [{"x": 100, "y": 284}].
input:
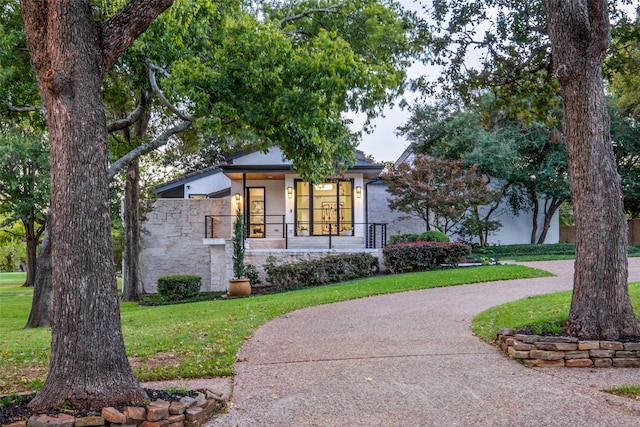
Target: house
[{"x": 188, "y": 230}]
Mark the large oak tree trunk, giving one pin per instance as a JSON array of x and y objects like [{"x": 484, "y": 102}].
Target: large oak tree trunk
[
  {"x": 600, "y": 309},
  {"x": 70, "y": 53}
]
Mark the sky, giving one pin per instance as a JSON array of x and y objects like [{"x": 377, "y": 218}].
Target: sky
[{"x": 383, "y": 144}]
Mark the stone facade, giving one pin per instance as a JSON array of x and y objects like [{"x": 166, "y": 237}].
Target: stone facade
[
  {"x": 172, "y": 240},
  {"x": 552, "y": 351}
]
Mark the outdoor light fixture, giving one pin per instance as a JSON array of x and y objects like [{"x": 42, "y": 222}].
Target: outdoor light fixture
[
  {"x": 238, "y": 198},
  {"x": 358, "y": 192},
  {"x": 290, "y": 192}
]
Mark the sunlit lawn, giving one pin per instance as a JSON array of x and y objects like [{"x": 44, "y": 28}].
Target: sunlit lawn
[{"x": 198, "y": 339}]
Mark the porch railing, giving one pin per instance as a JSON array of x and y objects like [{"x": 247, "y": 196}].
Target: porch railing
[{"x": 275, "y": 227}]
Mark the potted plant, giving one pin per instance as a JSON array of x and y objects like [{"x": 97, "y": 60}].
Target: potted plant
[
  {"x": 240, "y": 284},
  {"x": 346, "y": 231},
  {"x": 303, "y": 231}
]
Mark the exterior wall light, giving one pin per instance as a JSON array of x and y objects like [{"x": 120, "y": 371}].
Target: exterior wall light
[
  {"x": 290, "y": 192},
  {"x": 358, "y": 192},
  {"x": 237, "y": 198}
]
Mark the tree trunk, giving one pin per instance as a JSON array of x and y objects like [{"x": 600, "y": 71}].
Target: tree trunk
[
  {"x": 131, "y": 289},
  {"x": 32, "y": 250},
  {"x": 71, "y": 52},
  {"x": 41, "y": 304},
  {"x": 549, "y": 212},
  {"x": 534, "y": 221},
  {"x": 600, "y": 307}
]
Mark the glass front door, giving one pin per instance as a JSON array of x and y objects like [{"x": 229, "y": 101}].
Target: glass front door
[
  {"x": 256, "y": 212},
  {"x": 325, "y": 208}
]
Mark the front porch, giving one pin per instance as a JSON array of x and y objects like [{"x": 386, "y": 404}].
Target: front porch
[{"x": 275, "y": 233}]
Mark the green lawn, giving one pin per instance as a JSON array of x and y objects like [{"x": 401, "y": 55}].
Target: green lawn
[
  {"x": 199, "y": 339},
  {"x": 534, "y": 311}
]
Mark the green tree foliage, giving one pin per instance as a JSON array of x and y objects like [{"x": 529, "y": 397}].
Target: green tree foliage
[
  {"x": 524, "y": 158},
  {"x": 263, "y": 74},
  {"x": 24, "y": 187},
  {"x": 441, "y": 192},
  {"x": 625, "y": 133},
  {"x": 12, "y": 249}
]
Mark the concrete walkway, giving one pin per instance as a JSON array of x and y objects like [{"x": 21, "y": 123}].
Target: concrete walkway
[{"x": 410, "y": 359}]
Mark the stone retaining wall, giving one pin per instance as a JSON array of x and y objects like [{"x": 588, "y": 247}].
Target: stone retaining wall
[
  {"x": 553, "y": 351},
  {"x": 187, "y": 412}
]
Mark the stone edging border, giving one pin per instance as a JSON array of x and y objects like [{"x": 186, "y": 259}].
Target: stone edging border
[
  {"x": 187, "y": 412},
  {"x": 558, "y": 351}
]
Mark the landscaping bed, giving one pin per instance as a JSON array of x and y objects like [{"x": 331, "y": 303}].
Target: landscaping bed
[{"x": 178, "y": 409}]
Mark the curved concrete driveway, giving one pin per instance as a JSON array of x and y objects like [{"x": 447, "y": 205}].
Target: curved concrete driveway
[{"x": 410, "y": 359}]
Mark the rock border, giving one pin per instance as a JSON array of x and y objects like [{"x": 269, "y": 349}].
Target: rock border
[
  {"x": 187, "y": 412},
  {"x": 559, "y": 351}
]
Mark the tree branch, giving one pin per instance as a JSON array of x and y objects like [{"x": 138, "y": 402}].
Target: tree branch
[
  {"x": 25, "y": 109},
  {"x": 129, "y": 120},
  {"x": 147, "y": 147},
  {"x": 329, "y": 9},
  {"x": 600, "y": 27},
  {"x": 154, "y": 85},
  {"x": 119, "y": 32}
]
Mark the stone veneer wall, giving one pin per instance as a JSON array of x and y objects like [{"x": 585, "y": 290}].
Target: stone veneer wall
[
  {"x": 172, "y": 240},
  {"x": 552, "y": 351},
  {"x": 188, "y": 412}
]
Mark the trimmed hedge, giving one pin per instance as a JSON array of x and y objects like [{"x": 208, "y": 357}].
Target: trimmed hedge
[
  {"x": 427, "y": 236},
  {"x": 179, "y": 287},
  {"x": 420, "y": 256},
  {"x": 503, "y": 251},
  {"x": 330, "y": 269}
]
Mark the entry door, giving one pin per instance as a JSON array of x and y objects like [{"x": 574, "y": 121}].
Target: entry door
[
  {"x": 325, "y": 208},
  {"x": 256, "y": 212}
]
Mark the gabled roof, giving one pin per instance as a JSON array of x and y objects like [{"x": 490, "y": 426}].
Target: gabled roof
[{"x": 370, "y": 169}]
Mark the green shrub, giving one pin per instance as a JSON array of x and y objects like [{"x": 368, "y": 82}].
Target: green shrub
[
  {"x": 404, "y": 237},
  {"x": 158, "y": 300},
  {"x": 330, "y": 269},
  {"x": 427, "y": 236},
  {"x": 528, "y": 249},
  {"x": 178, "y": 288},
  {"x": 252, "y": 274},
  {"x": 420, "y": 256},
  {"x": 434, "y": 236}
]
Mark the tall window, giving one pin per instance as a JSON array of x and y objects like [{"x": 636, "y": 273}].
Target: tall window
[
  {"x": 324, "y": 208},
  {"x": 255, "y": 214}
]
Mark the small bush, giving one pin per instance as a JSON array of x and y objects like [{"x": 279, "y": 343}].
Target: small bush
[
  {"x": 427, "y": 236},
  {"x": 434, "y": 236},
  {"x": 330, "y": 269},
  {"x": 252, "y": 274},
  {"x": 420, "y": 256},
  {"x": 178, "y": 288},
  {"x": 402, "y": 238}
]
